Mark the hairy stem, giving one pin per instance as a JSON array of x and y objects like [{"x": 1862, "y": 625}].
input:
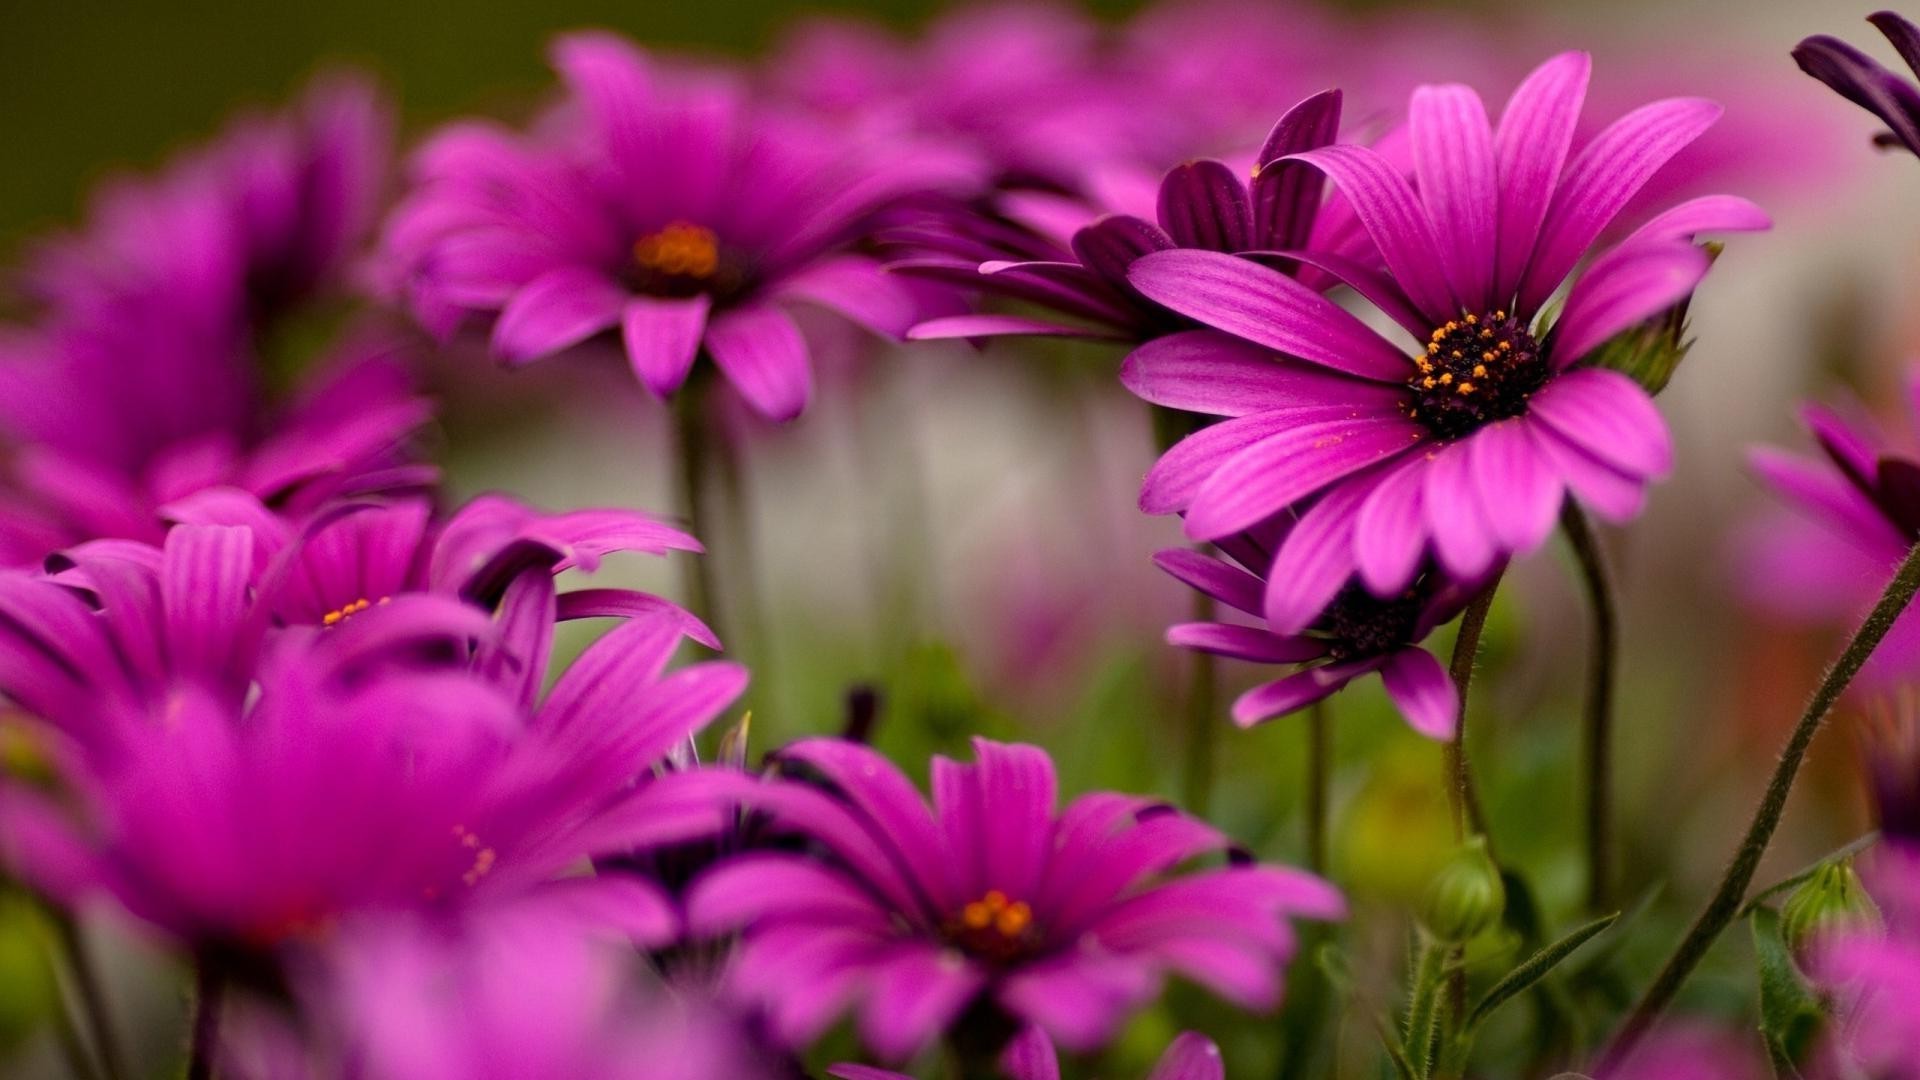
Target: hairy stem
[
  {"x": 1462, "y": 801},
  {"x": 1720, "y": 910},
  {"x": 1597, "y": 729}
]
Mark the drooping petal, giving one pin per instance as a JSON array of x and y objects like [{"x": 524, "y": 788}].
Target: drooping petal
[
  {"x": 1228, "y": 584},
  {"x": 1293, "y": 693},
  {"x": 554, "y": 311},
  {"x": 1268, "y": 308},
  {"x": 1535, "y": 133},
  {"x": 1606, "y": 173},
  {"x": 1462, "y": 537},
  {"x": 1454, "y": 162},
  {"x": 1617, "y": 293},
  {"x": 1608, "y": 492},
  {"x": 1520, "y": 491},
  {"x": 1206, "y": 371},
  {"x": 662, "y": 337},
  {"x": 1245, "y": 642},
  {"x": 762, "y": 354},
  {"x": 1389, "y": 532},
  {"x": 1608, "y": 415},
  {"x": 1203, "y": 204},
  {"x": 1277, "y": 471},
  {"x": 1423, "y": 692}
]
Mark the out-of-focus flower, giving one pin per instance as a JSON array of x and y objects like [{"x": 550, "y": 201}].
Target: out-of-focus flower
[
  {"x": 1466, "y": 449},
  {"x": 1692, "y": 1051},
  {"x": 238, "y": 788},
  {"x": 1862, "y": 80},
  {"x": 1335, "y": 640},
  {"x": 1030, "y": 1056},
  {"x": 1874, "y": 972},
  {"x": 662, "y": 204},
  {"x": 1203, "y": 205},
  {"x": 1849, "y": 520},
  {"x": 1027, "y": 91},
  {"x": 991, "y": 903}
]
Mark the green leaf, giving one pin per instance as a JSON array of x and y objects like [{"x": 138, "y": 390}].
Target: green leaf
[
  {"x": 1791, "y": 1015},
  {"x": 1535, "y": 968}
]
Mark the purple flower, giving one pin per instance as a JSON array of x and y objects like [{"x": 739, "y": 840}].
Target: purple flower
[
  {"x": 1030, "y": 1056},
  {"x": 1850, "y": 517},
  {"x": 664, "y": 204},
  {"x": 989, "y": 900},
  {"x": 1335, "y": 639},
  {"x": 1465, "y": 449},
  {"x": 240, "y": 786},
  {"x": 1203, "y": 205},
  {"x": 1874, "y": 973},
  {"x": 1862, "y": 80}
]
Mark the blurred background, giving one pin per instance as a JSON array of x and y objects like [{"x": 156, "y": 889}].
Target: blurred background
[{"x": 956, "y": 529}]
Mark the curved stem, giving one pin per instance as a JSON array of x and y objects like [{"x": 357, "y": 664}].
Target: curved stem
[
  {"x": 1462, "y": 801},
  {"x": 1319, "y": 779},
  {"x": 208, "y": 990},
  {"x": 1597, "y": 731},
  {"x": 1725, "y": 904}
]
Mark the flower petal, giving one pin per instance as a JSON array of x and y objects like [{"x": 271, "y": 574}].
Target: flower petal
[
  {"x": 1520, "y": 491},
  {"x": 1286, "y": 195},
  {"x": 1535, "y": 133},
  {"x": 1228, "y": 584},
  {"x": 557, "y": 310},
  {"x": 1316, "y": 559},
  {"x": 1245, "y": 643},
  {"x": 1454, "y": 162},
  {"x": 1206, "y": 371},
  {"x": 1423, "y": 692},
  {"x": 762, "y": 354},
  {"x": 1608, "y": 415},
  {"x": 1620, "y": 292},
  {"x": 1394, "y": 218},
  {"x": 1462, "y": 537},
  {"x": 1204, "y": 205},
  {"x": 1274, "y": 473},
  {"x": 1191, "y": 1056},
  {"x": 662, "y": 338},
  {"x": 1390, "y": 532}
]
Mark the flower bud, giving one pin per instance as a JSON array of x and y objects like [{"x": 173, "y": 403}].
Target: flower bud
[
  {"x": 1832, "y": 900},
  {"x": 1466, "y": 897}
]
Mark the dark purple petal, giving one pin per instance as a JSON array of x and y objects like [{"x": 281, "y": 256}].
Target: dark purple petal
[
  {"x": 1903, "y": 35},
  {"x": 1286, "y": 195},
  {"x": 1610, "y": 416},
  {"x": 1862, "y": 80},
  {"x": 1536, "y": 130},
  {"x": 1454, "y": 163},
  {"x": 1206, "y": 371},
  {"x": 1277, "y": 471},
  {"x": 763, "y": 355},
  {"x": 662, "y": 338},
  {"x": 1110, "y": 245},
  {"x": 1203, "y": 204},
  {"x": 1601, "y": 179},
  {"x": 1268, "y": 308},
  {"x": 1394, "y": 218},
  {"x": 1423, "y": 692},
  {"x": 554, "y": 311}
]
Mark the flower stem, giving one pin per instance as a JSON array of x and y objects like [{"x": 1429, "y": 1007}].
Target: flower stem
[
  {"x": 1462, "y": 801},
  {"x": 1725, "y": 904},
  {"x": 208, "y": 992},
  {"x": 1597, "y": 731},
  {"x": 1319, "y": 779},
  {"x": 1423, "y": 1012},
  {"x": 1197, "y": 788},
  {"x": 92, "y": 999},
  {"x": 692, "y": 423}
]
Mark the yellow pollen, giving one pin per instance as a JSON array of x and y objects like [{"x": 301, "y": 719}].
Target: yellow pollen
[
  {"x": 1473, "y": 320},
  {"x": 1480, "y": 370},
  {"x": 1446, "y": 377},
  {"x": 1014, "y": 920},
  {"x": 1427, "y": 383},
  {"x": 483, "y": 858},
  {"x": 1456, "y": 354},
  {"x": 976, "y": 915},
  {"x": 1486, "y": 334},
  {"x": 681, "y": 249},
  {"x": 348, "y": 611},
  {"x": 1499, "y": 315},
  {"x": 1008, "y": 918},
  {"x": 1464, "y": 388},
  {"x": 1488, "y": 356}
]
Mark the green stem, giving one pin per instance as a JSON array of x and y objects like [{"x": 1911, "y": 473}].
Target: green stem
[
  {"x": 1598, "y": 728},
  {"x": 1462, "y": 801},
  {"x": 92, "y": 998},
  {"x": 1319, "y": 780},
  {"x": 1720, "y": 910},
  {"x": 692, "y": 422},
  {"x": 1197, "y": 788},
  {"x": 1424, "y": 1009}
]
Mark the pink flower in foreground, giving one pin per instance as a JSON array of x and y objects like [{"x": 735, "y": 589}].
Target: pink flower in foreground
[{"x": 992, "y": 902}]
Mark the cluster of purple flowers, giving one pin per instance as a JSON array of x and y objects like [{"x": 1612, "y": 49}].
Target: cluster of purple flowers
[{"x": 299, "y": 716}]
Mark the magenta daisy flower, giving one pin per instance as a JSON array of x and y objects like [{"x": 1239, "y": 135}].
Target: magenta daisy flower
[
  {"x": 1030, "y": 1056},
  {"x": 660, "y": 204},
  {"x": 1862, "y": 80},
  {"x": 1203, "y": 205},
  {"x": 991, "y": 904},
  {"x": 239, "y": 788},
  {"x": 1850, "y": 517},
  {"x": 1333, "y": 639},
  {"x": 1464, "y": 446}
]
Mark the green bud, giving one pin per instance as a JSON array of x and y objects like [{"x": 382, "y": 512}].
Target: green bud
[
  {"x": 1833, "y": 899},
  {"x": 1467, "y": 897}
]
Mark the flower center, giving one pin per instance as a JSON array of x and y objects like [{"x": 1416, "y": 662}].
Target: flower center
[
  {"x": 347, "y": 611},
  {"x": 1477, "y": 369},
  {"x": 993, "y": 927},
  {"x": 1359, "y": 624},
  {"x": 681, "y": 259}
]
